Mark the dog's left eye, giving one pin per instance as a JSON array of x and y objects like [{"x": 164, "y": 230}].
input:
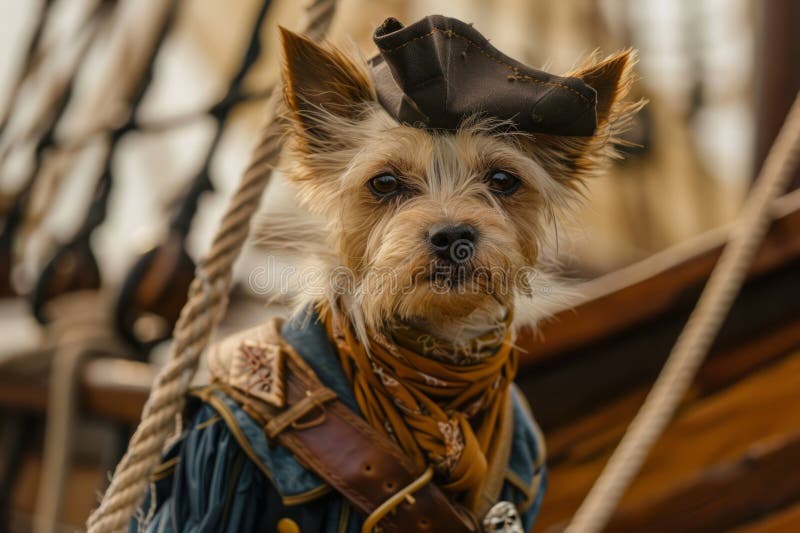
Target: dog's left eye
[
  {"x": 502, "y": 182},
  {"x": 384, "y": 185}
]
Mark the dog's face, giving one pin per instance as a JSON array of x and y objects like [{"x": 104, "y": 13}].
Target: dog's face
[{"x": 431, "y": 225}]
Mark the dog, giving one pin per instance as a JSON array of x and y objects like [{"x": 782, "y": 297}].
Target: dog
[
  {"x": 426, "y": 196},
  {"x": 455, "y": 244}
]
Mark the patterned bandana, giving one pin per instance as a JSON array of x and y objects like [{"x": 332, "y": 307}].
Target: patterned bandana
[{"x": 440, "y": 413}]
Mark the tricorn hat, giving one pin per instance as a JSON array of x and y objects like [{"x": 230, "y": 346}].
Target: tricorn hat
[{"x": 439, "y": 71}]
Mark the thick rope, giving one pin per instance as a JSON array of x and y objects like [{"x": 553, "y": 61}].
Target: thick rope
[
  {"x": 694, "y": 342},
  {"x": 206, "y": 304}
]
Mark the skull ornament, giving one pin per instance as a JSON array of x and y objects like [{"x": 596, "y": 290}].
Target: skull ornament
[{"x": 502, "y": 518}]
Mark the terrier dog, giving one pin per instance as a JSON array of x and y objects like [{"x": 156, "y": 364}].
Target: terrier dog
[
  {"x": 428, "y": 178},
  {"x": 440, "y": 229}
]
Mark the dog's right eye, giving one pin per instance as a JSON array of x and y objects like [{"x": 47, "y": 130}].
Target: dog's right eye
[
  {"x": 502, "y": 182},
  {"x": 384, "y": 185}
]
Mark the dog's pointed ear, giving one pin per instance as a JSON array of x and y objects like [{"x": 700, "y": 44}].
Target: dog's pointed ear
[
  {"x": 571, "y": 160},
  {"x": 611, "y": 78},
  {"x": 321, "y": 84}
]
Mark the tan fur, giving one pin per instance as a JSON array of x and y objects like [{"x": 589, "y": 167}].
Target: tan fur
[
  {"x": 341, "y": 138},
  {"x": 573, "y": 160}
]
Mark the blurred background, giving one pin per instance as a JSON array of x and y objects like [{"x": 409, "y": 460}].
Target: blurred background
[
  {"x": 126, "y": 124},
  {"x": 697, "y": 67}
]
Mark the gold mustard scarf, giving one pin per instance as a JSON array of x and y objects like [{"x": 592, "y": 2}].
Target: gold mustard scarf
[{"x": 441, "y": 414}]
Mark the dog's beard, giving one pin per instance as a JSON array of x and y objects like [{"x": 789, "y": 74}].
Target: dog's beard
[
  {"x": 436, "y": 292},
  {"x": 445, "y": 277}
]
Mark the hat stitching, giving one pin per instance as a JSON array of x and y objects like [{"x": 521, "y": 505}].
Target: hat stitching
[{"x": 514, "y": 70}]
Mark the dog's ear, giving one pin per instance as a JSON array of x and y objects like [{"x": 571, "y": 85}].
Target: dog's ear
[
  {"x": 574, "y": 159},
  {"x": 611, "y": 78},
  {"x": 320, "y": 86}
]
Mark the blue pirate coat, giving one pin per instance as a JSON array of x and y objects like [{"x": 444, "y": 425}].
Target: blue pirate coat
[{"x": 224, "y": 476}]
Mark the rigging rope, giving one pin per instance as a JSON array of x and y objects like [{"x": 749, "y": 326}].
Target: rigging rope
[
  {"x": 747, "y": 234},
  {"x": 206, "y": 304}
]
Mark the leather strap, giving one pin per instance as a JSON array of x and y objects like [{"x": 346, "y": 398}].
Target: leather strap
[{"x": 363, "y": 465}]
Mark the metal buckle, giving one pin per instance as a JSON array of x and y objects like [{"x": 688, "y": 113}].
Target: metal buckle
[{"x": 396, "y": 499}]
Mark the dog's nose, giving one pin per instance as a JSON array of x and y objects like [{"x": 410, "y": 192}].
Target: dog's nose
[{"x": 453, "y": 242}]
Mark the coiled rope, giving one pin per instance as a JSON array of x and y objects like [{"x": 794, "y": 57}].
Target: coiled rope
[
  {"x": 206, "y": 304},
  {"x": 700, "y": 331}
]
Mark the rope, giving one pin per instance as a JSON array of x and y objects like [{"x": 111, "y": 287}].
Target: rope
[
  {"x": 694, "y": 342},
  {"x": 206, "y": 304},
  {"x": 80, "y": 326}
]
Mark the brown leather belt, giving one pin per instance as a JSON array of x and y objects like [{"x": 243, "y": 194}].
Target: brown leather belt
[{"x": 363, "y": 465}]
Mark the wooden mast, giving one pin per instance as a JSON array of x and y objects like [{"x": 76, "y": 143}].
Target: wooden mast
[{"x": 777, "y": 71}]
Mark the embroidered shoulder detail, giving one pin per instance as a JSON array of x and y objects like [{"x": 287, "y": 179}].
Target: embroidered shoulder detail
[
  {"x": 252, "y": 363},
  {"x": 257, "y": 369}
]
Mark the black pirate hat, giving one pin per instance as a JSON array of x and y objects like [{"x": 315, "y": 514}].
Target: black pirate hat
[{"x": 439, "y": 70}]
